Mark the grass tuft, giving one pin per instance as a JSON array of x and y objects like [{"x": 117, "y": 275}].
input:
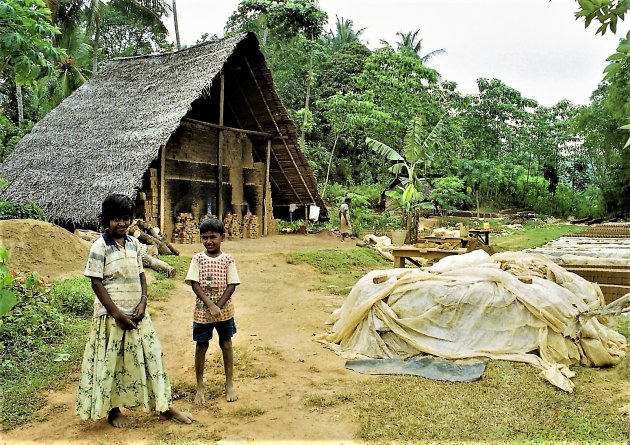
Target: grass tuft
[{"x": 249, "y": 411}]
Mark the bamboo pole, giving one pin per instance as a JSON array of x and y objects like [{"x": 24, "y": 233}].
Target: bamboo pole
[
  {"x": 236, "y": 130},
  {"x": 265, "y": 190},
  {"x": 220, "y": 152},
  {"x": 162, "y": 188}
]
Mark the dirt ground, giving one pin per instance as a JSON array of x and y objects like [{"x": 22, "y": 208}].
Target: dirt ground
[{"x": 277, "y": 315}]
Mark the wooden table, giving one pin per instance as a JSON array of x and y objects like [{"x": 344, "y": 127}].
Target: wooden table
[
  {"x": 483, "y": 235},
  {"x": 404, "y": 253},
  {"x": 462, "y": 241}
]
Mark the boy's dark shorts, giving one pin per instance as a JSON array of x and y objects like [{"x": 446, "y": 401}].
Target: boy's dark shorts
[{"x": 202, "y": 332}]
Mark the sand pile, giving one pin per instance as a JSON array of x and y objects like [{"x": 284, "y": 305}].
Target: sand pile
[{"x": 42, "y": 247}]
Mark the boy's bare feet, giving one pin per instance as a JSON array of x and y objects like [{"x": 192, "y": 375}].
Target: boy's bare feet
[
  {"x": 175, "y": 414},
  {"x": 230, "y": 394},
  {"x": 200, "y": 396},
  {"x": 116, "y": 418}
]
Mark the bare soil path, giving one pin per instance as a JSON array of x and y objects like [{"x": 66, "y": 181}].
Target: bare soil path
[{"x": 277, "y": 315}]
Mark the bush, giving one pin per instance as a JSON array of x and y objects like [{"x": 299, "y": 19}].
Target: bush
[
  {"x": 32, "y": 323},
  {"x": 14, "y": 210},
  {"x": 73, "y": 295}
]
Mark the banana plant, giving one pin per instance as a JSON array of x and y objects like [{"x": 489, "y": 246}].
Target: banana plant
[{"x": 419, "y": 147}]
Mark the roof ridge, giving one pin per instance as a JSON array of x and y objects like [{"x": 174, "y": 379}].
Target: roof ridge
[{"x": 239, "y": 37}]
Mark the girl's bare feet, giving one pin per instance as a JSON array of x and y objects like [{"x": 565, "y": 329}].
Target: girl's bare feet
[
  {"x": 116, "y": 418},
  {"x": 175, "y": 414}
]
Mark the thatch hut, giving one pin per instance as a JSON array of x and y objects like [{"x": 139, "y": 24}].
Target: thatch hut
[{"x": 200, "y": 130}]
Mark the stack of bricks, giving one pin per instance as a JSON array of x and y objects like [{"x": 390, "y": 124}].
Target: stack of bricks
[
  {"x": 186, "y": 230},
  {"x": 150, "y": 204},
  {"x": 232, "y": 224},
  {"x": 250, "y": 226},
  {"x": 207, "y": 216}
]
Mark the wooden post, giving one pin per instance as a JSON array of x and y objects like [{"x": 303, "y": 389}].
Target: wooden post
[
  {"x": 220, "y": 152},
  {"x": 266, "y": 190},
  {"x": 162, "y": 189}
]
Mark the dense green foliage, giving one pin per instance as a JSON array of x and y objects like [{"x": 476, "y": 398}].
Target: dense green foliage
[
  {"x": 508, "y": 150},
  {"x": 41, "y": 315},
  {"x": 41, "y": 337},
  {"x": 14, "y": 210}
]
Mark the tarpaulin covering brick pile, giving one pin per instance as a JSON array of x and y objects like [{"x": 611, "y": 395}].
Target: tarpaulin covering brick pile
[{"x": 508, "y": 306}]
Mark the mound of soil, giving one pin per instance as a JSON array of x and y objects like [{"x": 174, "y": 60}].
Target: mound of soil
[{"x": 43, "y": 248}]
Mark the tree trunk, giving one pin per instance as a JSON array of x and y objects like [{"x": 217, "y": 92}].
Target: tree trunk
[
  {"x": 329, "y": 164},
  {"x": 20, "y": 104},
  {"x": 477, "y": 201},
  {"x": 97, "y": 34},
  {"x": 148, "y": 239},
  {"x": 177, "y": 42},
  {"x": 309, "y": 79},
  {"x": 158, "y": 265}
]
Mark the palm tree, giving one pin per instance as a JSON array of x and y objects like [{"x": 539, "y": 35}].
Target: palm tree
[
  {"x": 73, "y": 69},
  {"x": 70, "y": 14},
  {"x": 343, "y": 35},
  {"x": 409, "y": 41},
  {"x": 148, "y": 11}
]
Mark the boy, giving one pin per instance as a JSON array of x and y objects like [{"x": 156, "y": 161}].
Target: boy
[
  {"x": 123, "y": 364},
  {"x": 213, "y": 277}
]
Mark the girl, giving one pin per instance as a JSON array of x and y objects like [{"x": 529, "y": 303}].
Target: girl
[{"x": 123, "y": 364}]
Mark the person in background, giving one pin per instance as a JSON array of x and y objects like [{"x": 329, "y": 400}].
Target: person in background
[{"x": 345, "y": 228}]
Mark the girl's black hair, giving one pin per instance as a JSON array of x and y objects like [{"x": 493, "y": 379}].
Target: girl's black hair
[
  {"x": 116, "y": 206},
  {"x": 212, "y": 225}
]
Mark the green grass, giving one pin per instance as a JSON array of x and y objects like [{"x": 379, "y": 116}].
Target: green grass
[
  {"x": 340, "y": 268},
  {"x": 531, "y": 236},
  {"x": 179, "y": 262},
  {"x": 23, "y": 384},
  {"x": 510, "y": 403},
  {"x": 160, "y": 285}
]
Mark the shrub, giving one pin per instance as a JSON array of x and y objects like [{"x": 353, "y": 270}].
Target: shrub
[
  {"x": 73, "y": 295},
  {"x": 32, "y": 323},
  {"x": 14, "y": 210}
]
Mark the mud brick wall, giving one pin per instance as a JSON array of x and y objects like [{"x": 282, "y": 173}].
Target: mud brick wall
[{"x": 190, "y": 174}]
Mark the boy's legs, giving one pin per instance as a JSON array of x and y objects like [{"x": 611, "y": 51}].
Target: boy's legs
[
  {"x": 228, "y": 366},
  {"x": 200, "y": 361},
  {"x": 226, "y": 329}
]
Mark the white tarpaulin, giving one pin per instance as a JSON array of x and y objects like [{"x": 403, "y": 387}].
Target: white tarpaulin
[{"x": 509, "y": 306}]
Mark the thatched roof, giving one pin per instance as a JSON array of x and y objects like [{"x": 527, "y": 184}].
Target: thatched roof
[{"x": 103, "y": 137}]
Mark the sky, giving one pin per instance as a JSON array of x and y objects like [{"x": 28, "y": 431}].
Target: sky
[{"x": 534, "y": 46}]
